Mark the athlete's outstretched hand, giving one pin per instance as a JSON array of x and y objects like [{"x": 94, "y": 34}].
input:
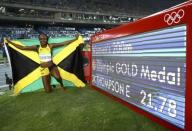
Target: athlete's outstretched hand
[{"x": 77, "y": 36}]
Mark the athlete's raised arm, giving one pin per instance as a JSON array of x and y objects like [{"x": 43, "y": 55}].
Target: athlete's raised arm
[{"x": 33, "y": 48}]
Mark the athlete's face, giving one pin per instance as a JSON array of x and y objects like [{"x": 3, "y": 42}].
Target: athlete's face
[{"x": 43, "y": 39}]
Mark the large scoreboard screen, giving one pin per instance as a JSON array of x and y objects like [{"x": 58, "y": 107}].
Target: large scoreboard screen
[{"x": 147, "y": 70}]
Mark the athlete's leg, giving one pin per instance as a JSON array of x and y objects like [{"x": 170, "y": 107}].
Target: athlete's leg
[
  {"x": 55, "y": 73},
  {"x": 46, "y": 83}
]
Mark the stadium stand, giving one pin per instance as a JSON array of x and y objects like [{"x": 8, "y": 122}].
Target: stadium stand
[
  {"x": 105, "y": 6},
  {"x": 74, "y": 11},
  {"x": 15, "y": 32}
]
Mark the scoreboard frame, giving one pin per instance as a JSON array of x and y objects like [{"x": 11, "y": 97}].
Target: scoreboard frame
[{"x": 177, "y": 15}]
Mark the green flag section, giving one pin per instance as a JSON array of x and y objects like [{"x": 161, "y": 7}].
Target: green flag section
[{"x": 26, "y": 64}]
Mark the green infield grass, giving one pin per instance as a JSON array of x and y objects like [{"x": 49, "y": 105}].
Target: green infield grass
[{"x": 73, "y": 110}]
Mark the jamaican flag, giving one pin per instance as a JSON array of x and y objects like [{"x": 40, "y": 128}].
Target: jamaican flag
[{"x": 26, "y": 64}]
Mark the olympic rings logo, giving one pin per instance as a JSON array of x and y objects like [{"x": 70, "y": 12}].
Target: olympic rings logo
[{"x": 174, "y": 17}]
